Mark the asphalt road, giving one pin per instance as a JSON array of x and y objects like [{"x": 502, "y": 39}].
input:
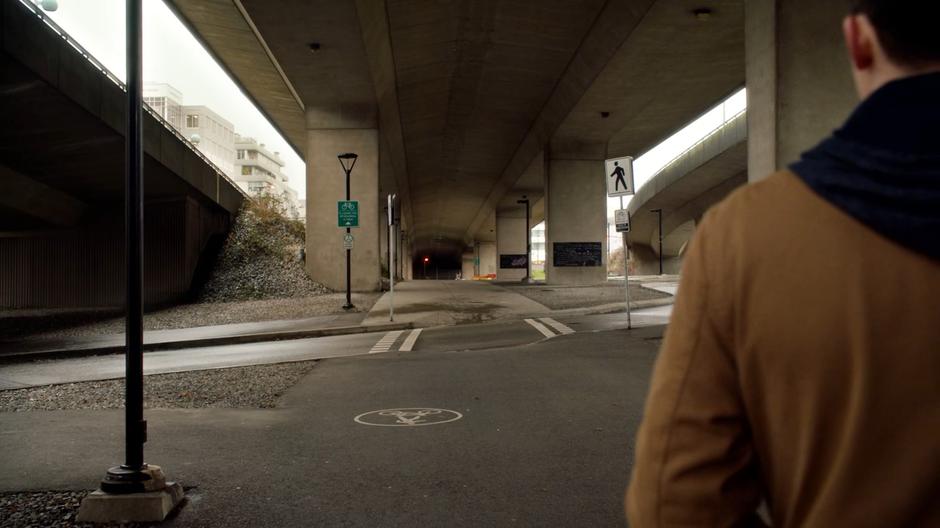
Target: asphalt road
[
  {"x": 544, "y": 437},
  {"x": 506, "y": 333}
]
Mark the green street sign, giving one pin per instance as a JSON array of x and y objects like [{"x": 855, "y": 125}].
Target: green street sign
[{"x": 347, "y": 213}]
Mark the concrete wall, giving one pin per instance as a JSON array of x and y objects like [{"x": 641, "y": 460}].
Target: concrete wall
[
  {"x": 83, "y": 267},
  {"x": 576, "y": 195},
  {"x": 468, "y": 265},
  {"x": 510, "y": 240},
  {"x": 326, "y": 184},
  {"x": 798, "y": 79}
]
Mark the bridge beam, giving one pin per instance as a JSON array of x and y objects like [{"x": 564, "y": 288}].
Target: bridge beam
[{"x": 37, "y": 200}]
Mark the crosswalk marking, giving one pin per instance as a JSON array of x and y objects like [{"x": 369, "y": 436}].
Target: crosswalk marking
[
  {"x": 386, "y": 342},
  {"x": 557, "y": 326},
  {"x": 409, "y": 343},
  {"x": 540, "y": 327}
]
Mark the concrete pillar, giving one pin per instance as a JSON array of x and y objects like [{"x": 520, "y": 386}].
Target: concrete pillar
[
  {"x": 467, "y": 265},
  {"x": 510, "y": 241},
  {"x": 576, "y": 213},
  {"x": 329, "y": 133},
  {"x": 799, "y": 86},
  {"x": 488, "y": 258}
]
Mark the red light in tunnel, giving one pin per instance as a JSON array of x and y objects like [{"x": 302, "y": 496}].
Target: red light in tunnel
[{"x": 426, "y": 260}]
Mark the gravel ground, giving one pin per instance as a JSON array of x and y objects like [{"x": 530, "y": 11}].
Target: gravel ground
[
  {"x": 255, "y": 386},
  {"x": 60, "y": 324},
  {"x": 563, "y": 297},
  {"x": 46, "y": 509}
]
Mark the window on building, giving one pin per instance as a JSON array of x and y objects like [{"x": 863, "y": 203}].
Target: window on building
[
  {"x": 246, "y": 170},
  {"x": 240, "y": 154},
  {"x": 192, "y": 120},
  {"x": 253, "y": 155}
]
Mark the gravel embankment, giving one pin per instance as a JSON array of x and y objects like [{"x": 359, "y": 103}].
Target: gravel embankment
[
  {"x": 46, "y": 509},
  {"x": 58, "y": 324},
  {"x": 240, "y": 387},
  {"x": 564, "y": 297}
]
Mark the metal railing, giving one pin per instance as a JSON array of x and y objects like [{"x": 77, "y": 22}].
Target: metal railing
[{"x": 113, "y": 78}]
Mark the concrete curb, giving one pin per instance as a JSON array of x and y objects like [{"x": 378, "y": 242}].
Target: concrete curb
[
  {"x": 205, "y": 342},
  {"x": 615, "y": 307}
]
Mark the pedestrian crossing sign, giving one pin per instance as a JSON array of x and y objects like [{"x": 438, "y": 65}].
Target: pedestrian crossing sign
[{"x": 619, "y": 176}]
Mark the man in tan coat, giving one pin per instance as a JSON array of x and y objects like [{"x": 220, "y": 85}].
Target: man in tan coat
[{"x": 802, "y": 364}]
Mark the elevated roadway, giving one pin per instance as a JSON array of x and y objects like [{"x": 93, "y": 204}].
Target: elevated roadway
[{"x": 62, "y": 179}]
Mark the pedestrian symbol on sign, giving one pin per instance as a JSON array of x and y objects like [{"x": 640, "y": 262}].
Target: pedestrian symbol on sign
[{"x": 619, "y": 176}]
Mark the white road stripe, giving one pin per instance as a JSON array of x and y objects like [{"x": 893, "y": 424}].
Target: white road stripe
[
  {"x": 540, "y": 327},
  {"x": 386, "y": 342},
  {"x": 557, "y": 326},
  {"x": 409, "y": 343}
]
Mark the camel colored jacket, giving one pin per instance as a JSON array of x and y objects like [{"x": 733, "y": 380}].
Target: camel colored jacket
[{"x": 801, "y": 367}]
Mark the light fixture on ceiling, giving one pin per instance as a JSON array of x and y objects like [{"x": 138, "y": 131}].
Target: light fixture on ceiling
[
  {"x": 605, "y": 115},
  {"x": 703, "y": 13},
  {"x": 314, "y": 47}
]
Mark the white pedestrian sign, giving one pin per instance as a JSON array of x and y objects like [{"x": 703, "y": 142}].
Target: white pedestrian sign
[
  {"x": 619, "y": 176},
  {"x": 348, "y": 241}
]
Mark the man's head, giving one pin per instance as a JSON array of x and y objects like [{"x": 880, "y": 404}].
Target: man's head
[{"x": 891, "y": 39}]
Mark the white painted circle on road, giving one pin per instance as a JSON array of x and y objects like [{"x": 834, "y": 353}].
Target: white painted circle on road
[{"x": 408, "y": 417}]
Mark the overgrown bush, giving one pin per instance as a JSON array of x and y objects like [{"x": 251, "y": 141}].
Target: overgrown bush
[{"x": 261, "y": 257}]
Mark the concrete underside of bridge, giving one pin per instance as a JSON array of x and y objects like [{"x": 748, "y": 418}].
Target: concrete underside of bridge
[
  {"x": 62, "y": 183},
  {"x": 471, "y": 105}
]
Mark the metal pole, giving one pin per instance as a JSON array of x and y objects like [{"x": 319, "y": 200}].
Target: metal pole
[
  {"x": 391, "y": 263},
  {"x": 660, "y": 211},
  {"x": 136, "y": 427},
  {"x": 349, "y": 304},
  {"x": 626, "y": 275},
  {"x": 528, "y": 244}
]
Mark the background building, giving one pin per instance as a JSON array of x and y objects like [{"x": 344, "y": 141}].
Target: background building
[
  {"x": 259, "y": 171},
  {"x": 166, "y": 101},
  {"x": 212, "y": 134}
]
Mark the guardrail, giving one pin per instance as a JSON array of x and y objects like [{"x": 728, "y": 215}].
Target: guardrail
[{"x": 113, "y": 78}]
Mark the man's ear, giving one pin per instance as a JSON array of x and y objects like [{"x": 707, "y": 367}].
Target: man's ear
[{"x": 859, "y": 41}]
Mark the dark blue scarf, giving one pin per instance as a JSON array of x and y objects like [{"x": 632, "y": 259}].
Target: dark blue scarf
[{"x": 883, "y": 166}]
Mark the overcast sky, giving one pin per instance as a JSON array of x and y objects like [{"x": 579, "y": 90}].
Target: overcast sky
[{"x": 173, "y": 56}]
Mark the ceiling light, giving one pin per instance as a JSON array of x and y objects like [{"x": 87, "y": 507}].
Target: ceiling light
[
  {"x": 314, "y": 47},
  {"x": 702, "y": 13}
]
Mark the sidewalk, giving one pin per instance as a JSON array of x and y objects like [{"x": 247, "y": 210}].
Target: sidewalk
[{"x": 193, "y": 337}]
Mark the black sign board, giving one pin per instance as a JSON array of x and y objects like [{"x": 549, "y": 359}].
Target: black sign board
[
  {"x": 513, "y": 262},
  {"x": 577, "y": 254}
]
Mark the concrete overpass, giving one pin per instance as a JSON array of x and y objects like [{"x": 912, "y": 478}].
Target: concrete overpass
[
  {"x": 461, "y": 107},
  {"x": 62, "y": 180},
  {"x": 684, "y": 189}
]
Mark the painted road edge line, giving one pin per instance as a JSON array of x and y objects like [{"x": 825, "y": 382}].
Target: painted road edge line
[
  {"x": 540, "y": 327},
  {"x": 386, "y": 342},
  {"x": 410, "y": 341},
  {"x": 557, "y": 326}
]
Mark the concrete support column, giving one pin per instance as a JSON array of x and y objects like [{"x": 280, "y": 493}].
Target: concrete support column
[
  {"x": 468, "y": 265},
  {"x": 575, "y": 212},
  {"x": 511, "y": 241},
  {"x": 799, "y": 86},
  {"x": 488, "y": 258},
  {"x": 330, "y": 133}
]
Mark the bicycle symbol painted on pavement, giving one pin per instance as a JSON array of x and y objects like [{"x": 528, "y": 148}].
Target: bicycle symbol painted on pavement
[{"x": 408, "y": 417}]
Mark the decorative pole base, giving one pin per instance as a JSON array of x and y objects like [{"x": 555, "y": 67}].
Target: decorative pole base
[
  {"x": 131, "y": 495},
  {"x": 348, "y": 306}
]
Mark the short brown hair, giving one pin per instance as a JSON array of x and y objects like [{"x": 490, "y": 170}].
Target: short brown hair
[{"x": 906, "y": 28}]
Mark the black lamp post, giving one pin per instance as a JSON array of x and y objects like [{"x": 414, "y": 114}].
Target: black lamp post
[
  {"x": 348, "y": 161},
  {"x": 528, "y": 237},
  {"x": 660, "y": 213}
]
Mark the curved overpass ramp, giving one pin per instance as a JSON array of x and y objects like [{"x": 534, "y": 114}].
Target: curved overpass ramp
[{"x": 684, "y": 190}]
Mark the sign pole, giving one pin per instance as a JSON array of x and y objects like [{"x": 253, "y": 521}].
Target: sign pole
[
  {"x": 626, "y": 273},
  {"x": 391, "y": 259}
]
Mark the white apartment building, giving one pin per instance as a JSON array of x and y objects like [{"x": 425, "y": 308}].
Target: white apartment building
[
  {"x": 166, "y": 101},
  {"x": 212, "y": 134},
  {"x": 259, "y": 171}
]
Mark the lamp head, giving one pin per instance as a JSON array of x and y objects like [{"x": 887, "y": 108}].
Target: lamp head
[{"x": 348, "y": 160}]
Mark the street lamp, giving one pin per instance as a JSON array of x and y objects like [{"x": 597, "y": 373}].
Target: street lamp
[
  {"x": 426, "y": 259},
  {"x": 348, "y": 161},
  {"x": 528, "y": 237},
  {"x": 660, "y": 213}
]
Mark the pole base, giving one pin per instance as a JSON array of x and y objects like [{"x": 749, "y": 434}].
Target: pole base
[
  {"x": 131, "y": 495},
  {"x": 348, "y": 307}
]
